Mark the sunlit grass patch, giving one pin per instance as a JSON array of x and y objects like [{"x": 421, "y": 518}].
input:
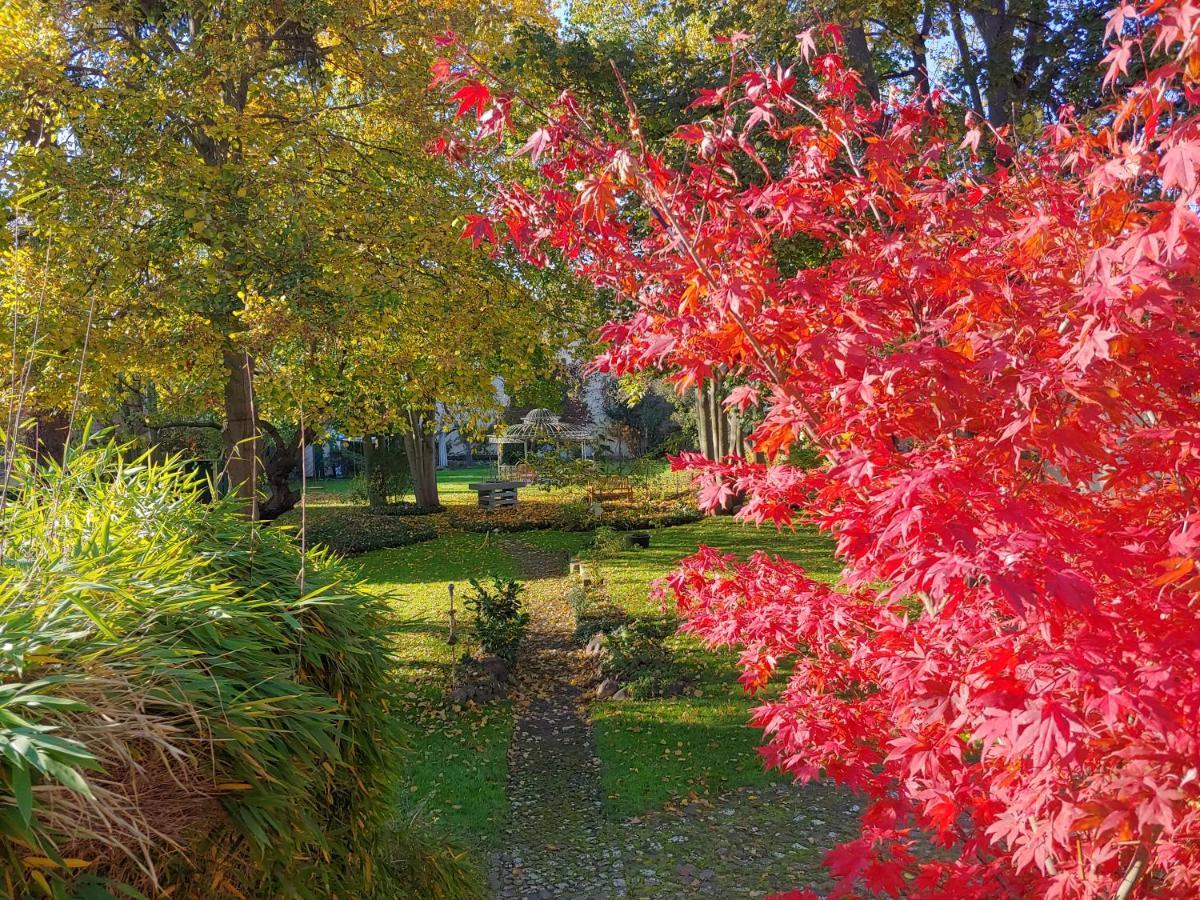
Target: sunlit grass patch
[{"x": 659, "y": 750}]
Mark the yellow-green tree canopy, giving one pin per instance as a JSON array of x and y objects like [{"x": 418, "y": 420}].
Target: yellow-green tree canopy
[{"x": 204, "y": 190}]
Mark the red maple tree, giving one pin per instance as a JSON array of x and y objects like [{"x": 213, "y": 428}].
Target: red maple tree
[{"x": 998, "y": 358}]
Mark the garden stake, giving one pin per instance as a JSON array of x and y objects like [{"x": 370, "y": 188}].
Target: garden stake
[{"x": 453, "y": 638}]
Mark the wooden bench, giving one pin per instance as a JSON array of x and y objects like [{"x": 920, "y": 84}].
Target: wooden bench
[
  {"x": 494, "y": 494},
  {"x": 610, "y": 487},
  {"x": 522, "y": 472}
]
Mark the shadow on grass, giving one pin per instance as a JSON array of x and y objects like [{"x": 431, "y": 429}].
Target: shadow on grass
[{"x": 658, "y": 751}]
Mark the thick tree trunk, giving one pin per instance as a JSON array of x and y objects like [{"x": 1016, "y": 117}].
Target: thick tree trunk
[
  {"x": 281, "y": 462},
  {"x": 241, "y": 436},
  {"x": 996, "y": 26},
  {"x": 859, "y": 53},
  {"x": 420, "y": 444}
]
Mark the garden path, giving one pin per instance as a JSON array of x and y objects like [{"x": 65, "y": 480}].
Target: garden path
[
  {"x": 558, "y": 842},
  {"x": 554, "y": 845}
]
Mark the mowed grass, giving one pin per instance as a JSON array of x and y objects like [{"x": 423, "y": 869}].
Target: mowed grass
[
  {"x": 452, "y": 487},
  {"x": 452, "y": 483},
  {"x": 455, "y": 758},
  {"x": 654, "y": 752}
]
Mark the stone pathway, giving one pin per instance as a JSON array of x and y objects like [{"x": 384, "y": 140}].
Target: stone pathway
[
  {"x": 554, "y": 845},
  {"x": 746, "y": 843}
]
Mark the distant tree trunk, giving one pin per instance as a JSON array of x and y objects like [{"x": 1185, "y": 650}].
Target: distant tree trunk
[
  {"x": 376, "y": 495},
  {"x": 281, "y": 462},
  {"x": 241, "y": 436},
  {"x": 996, "y": 26},
  {"x": 719, "y": 429},
  {"x": 859, "y": 53},
  {"x": 420, "y": 443},
  {"x": 706, "y": 426}
]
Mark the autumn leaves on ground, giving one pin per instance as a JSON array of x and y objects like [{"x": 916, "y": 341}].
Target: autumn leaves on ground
[{"x": 841, "y": 364}]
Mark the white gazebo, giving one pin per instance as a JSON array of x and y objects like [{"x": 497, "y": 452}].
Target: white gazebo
[{"x": 540, "y": 426}]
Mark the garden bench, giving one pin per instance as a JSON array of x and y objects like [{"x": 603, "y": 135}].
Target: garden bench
[
  {"x": 494, "y": 494},
  {"x": 610, "y": 487}
]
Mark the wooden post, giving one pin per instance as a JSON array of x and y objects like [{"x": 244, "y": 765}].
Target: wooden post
[{"x": 453, "y": 638}]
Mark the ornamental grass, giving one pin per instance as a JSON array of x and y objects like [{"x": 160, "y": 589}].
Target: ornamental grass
[{"x": 182, "y": 711}]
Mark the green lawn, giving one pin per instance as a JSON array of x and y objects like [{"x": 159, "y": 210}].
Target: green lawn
[
  {"x": 452, "y": 483},
  {"x": 452, "y": 487},
  {"x": 656, "y": 751},
  {"x": 652, "y": 751},
  {"x": 455, "y": 759}
]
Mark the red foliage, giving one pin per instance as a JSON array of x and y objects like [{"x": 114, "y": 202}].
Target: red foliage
[{"x": 1000, "y": 364}]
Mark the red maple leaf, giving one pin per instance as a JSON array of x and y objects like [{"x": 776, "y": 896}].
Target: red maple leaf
[{"x": 472, "y": 95}]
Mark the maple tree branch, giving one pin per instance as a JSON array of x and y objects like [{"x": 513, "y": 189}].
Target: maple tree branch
[{"x": 760, "y": 351}]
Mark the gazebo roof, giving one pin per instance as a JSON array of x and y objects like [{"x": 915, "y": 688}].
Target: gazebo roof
[{"x": 542, "y": 425}]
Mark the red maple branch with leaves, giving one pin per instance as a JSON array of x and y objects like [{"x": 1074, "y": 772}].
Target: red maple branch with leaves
[{"x": 995, "y": 347}]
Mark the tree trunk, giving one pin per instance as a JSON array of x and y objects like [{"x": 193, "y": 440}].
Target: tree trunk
[
  {"x": 921, "y": 55},
  {"x": 858, "y": 51},
  {"x": 996, "y": 27},
  {"x": 420, "y": 443},
  {"x": 376, "y": 494},
  {"x": 241, "y": 436},
  {"x": 704, "y": 431},
  {"x": 280, "y": 462},
  {"x": 966, "y": 58}
]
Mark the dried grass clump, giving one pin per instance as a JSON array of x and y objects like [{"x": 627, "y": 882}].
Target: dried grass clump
[{"x": 177, "y": 713}]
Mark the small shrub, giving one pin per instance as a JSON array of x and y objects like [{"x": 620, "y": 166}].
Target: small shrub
[
  {"x": 575, "y": 516},
  {"x": 553, "y": 471},
  {"x": 500, "y": 621},
  {"x": 580, "y": 600},
  {"x": 608, "y": 542},
  {"x": 636, "y": 654}
]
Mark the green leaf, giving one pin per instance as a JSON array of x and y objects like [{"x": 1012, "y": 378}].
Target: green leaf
[{"x": 22, "y": 788}]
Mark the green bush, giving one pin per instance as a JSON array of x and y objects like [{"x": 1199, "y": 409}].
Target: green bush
[
  {"x": 636, "y": 654},
  {"x": 553, "y": 471},
  {"x": 178, "y": 712},
  {"x": 608, "y": 542},
  {"x": 532, "y": 515},
  {"x": 354, "y": 529},
  {"x": 500, "y": 622}
]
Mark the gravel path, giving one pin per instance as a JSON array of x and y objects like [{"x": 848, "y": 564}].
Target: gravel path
[
  {"x": 554, "y": 841},
  {"x": 558, "y": 844}
]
